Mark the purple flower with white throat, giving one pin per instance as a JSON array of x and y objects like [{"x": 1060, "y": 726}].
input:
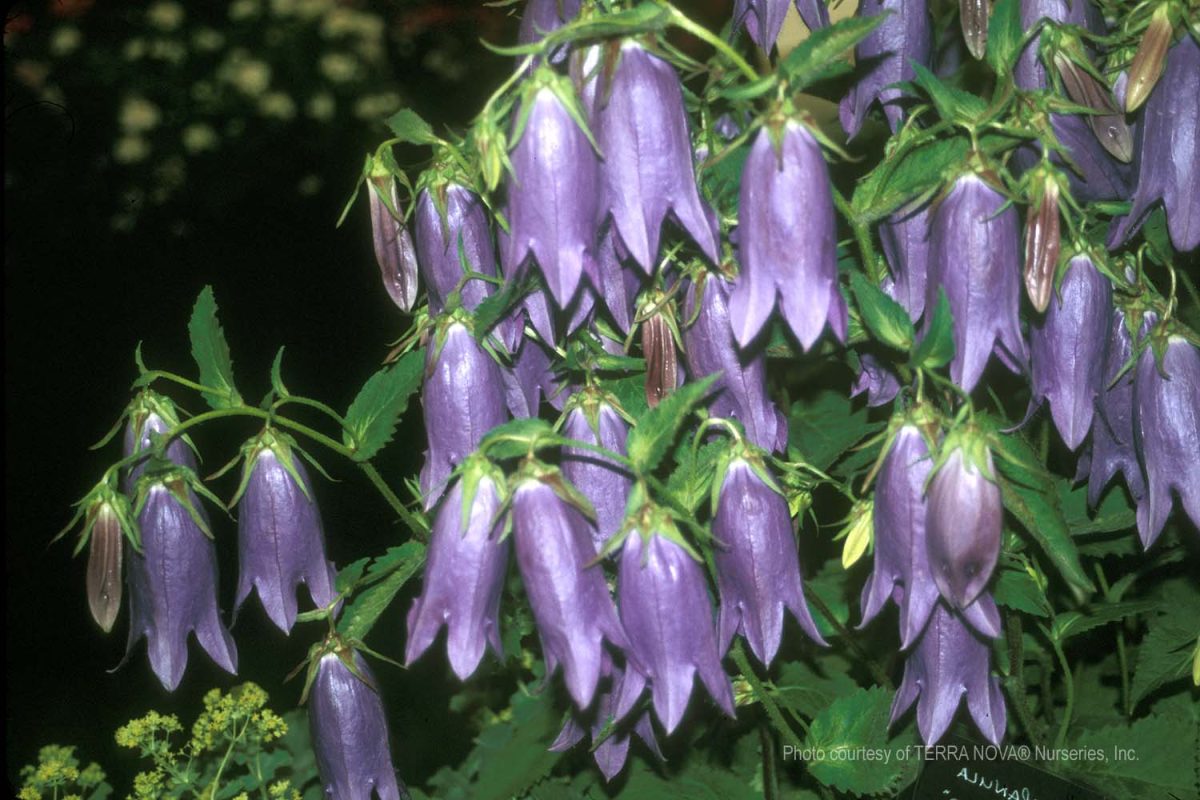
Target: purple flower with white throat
[
  {"x": 280, "y": 540},
  {"x": 553, "y": 191},
  {"x": 667, "y": 613},
  {"x": 464, "y": 574},
  {"x": 975, "y": 257},
  {"x": 567, "y": 593},
  {"x": 887, "y": 54},
  {"x": 787, "y": 243},
  {"x": 1166, "y": 428},
  {"x": 349, "y": 731},
  {"x": 758, "y": 569},
  {"x": 173, "y": 581},
  {"x": 1067, "y": 349},
  {"x": 605, "y": 483},
  {"x": 950, "y": 661},
  {"x": 452, "y": 231},
  {"x": 741, "y": 390},
  {"x": 642, "y": 129}
]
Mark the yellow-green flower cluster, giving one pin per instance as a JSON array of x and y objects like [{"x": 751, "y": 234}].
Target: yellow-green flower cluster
[
  {"x": 240, "y": 714},
  {"x": 57, "y": 774}
]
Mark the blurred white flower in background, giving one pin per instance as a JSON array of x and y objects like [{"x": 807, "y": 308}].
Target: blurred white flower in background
[
  {"x": 199, "y": 137},
  {"x": 131, "y": 149},
  {"x": 65, "y": 40},
  {"x": 249, "y": 75},
  {"x": 277, "y": 105},
  {"x": 206, "y": 40},
  {"x": 374, "y": 106},
  {"x": 244, "y": 9},
  {"x": 321, "y": 106},
  {"x": 338, "y": 67},
  {"x": 138, "y": 115},
  {"x": 165, "y": 15}
]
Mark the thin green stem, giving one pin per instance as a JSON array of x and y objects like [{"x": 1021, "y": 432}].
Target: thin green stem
[
  {"x": 308, "y": 401},
  {"x": 705, "y": 35},
  {"x": 877, "y": 673},
  {"x": 216, "y": 781},
  {"x": 149, "y": 376},
  {"x": 395, "y": 502},
  {"x": 760, "y": 692},
  {"x": 862, "y": 236},
  {"x": 1015, "y": 682},
  {"x": 1069, "y": 682}
]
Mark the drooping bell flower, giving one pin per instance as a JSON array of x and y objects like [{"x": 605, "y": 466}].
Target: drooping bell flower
[
  {"x": 463, "y": 398},
  {"x": 452, "y": 230},
  {"x": 886, "y": 54},
  {"x": 758, "y": 569},
  {"x": 950, "y": 661},
  {"x": 642, "y": 129},
  {"x": 349, "y": 730},
  {"x": 152, "y": 416},
  {"x": 464, "y": 574},
  {"x": 613, "y": 281},
  {"x": 604, "y": 482},
  {"x": 1067, "y": 349},
  {"x": 1029, "y": 71},
  {"x": 763, "y": 19},
  {"x": 394, "y": 251},
  {"x": 905, "y": 239},
  {"x": 741, "y": 390},
  {"x": 1168, "y": 152},
  {"x": 280, "y": 539},
  {"x": 667, "y": 613},
  {"x": 787, "y": 242},
  {"x": 1166, "y": 427},
  {"x": 813, "y": 13},
  {"x": 544, "y": 16},
  {"x": 173, "y": 582},
  {"x": 974, "y": 256},
  {"x": 1113, "y": 447},
  {"x": 964, "y": 521},
  {"x": 571, "y": 605},
  {"x": 554, "y": 189},
  {"x": 879, "y": 382},
  {"x": 529, "y": 380}
]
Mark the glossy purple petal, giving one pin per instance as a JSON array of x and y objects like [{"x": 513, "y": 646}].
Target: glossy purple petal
[
  {"x": 464, "y": 574},
  {"x": 885, "y": 57},
  {"x": 529, "y": 380},
  {"x": 1113, "y": 448},
  {"x": 975, "y": 256},
  {"x": 348, "y": 726},
  {"x": 173, "y": 588},
  {"x": 567, "y": 594},
  {"x": 787, "y": 242},
  {"x": 758, "y": 569},
  {"x": 666, "y": 611},
  {"x": 604, "y": 482},
  {"x": 647, "y": 172},
  {"x": 1067, "y": 349},
  {"x": 463, "y": 398},
  {"x": 949, "y": 662},
  {"x": 394, "y": 251},
  {"x": 1166, "y": 427},
  {"x": 139, "y": 435},
  {"x": 905, "y": 239},
  {"x": 1168, "y": 151},
  {"x": 814, "y": 13},
  {"x": 544, "y": 16},
  {"x": 1029, "y": 71},
  {"x": 763, "y": 19},
  {"x": 741, "y": 391},
  {"x": 963, "y": 528},
  {"x": 281, "y": 543},
  {"x": 552, "y": 197},
  {"x": 438, "y": 246},
  {"x": 879, "y": 382}
]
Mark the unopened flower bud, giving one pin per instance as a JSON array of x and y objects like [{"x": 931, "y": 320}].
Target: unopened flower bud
[
  {"x": 662, "y": 365},
  {"x": 973, "y": 14},
  {"x": 1148, "y": 62},
  {"x": 1042, "y": 243},
  {"x": 394, "y": 251},
  {"x": 105, "y": 547},
  {"x": 1109, "y": 126}
]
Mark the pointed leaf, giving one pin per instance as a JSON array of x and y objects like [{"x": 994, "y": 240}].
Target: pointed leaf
[
  {"x": 373, "y": 415},
  {"x": 211, "y": 352},
  {"x": 650, "y": 439}
]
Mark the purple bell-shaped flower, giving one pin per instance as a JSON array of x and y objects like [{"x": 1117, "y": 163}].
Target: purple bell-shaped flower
[
  {"x": 758, "y": 569},
  {"x": 152, "y": 416},
  {"x": 280, "y": 540},
  {"x": 544, "y": 16},
  {"x": 787, "y": 242},
  {"x": 905, "y": 240},
  {"x": 349, "y": 732},
  {"x": 975, "y": 257},
  {"x": 886, "y": 55},
  {"x": 1113, "y": 448},
  {"x": 879, "y": 382},
  {"x": 763, "y": 19},
  {"x": 446, "y": 243},
  {"x": 464, "y": 574},
  {"x": 604, "y": 482}
]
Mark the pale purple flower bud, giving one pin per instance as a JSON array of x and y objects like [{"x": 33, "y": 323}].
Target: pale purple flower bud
[
  {"x": 143, "y": 428},
  {"x": 949, "y": 662},
  {"x": 1067, "y": 349},
  {"x": 975, "y": 256},
  {"x": 741, "y": 390},
  {"x": 1168, "y": 152},
  {"x": 552, "y": 197},
  {"x": 439, "y": 241},
  {"x": 887, "y": 54},
  {"x": 173, "y": 587},
  {"x": 647, "y": 172},
  {"x": 1112, "y": 434},
  {"x": 758, "y": 568},
  {"x": 879, "y": 382},
  {"x": 280, "y": 540},
  {"x": 569, "y": 598},
  {"x": 1166, "y": 427},
  {"x": 394, "y": 252},
  {"x": 349, "y": 732},
  {"x": 464, "y": 574},
  {"x": 787, "y": 243},
  {"x": 604, "y": 482},
  {"x": 963, "y": 526},
  {"x": 463, "y": 398},
  {"x": 905, "y": 239},
  {"x": 667, "y": 612}
]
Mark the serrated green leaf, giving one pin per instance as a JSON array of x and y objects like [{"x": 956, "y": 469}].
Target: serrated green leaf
[
  {"x": 808, "y": 691},
  {"x": 650, "y": 439},
  {"x": 511, "y": 755},
  {"x": 630, "y": 392},
  {"x": 821, "y": 430},
  {"x": 900, "y": 178},
  {"x": 211, "y": 352},
  {"x": 408, "y": 126},
  {"x": 809, "y": 60},
  {"x": 1004, "y": 36},
  {"x": 1159, "y": 758},
  {"x": 1074, "y": 623},
  {"x": 858, "y": 724},
  {"x": 1165, "y": 654},
  {"x": 1015, "y": 589},
  {"x": 386, "y": 576},
  {"x": 936, "y": 348},
  {"x": 694, "y": 779},
  {"x": 1113, "y": 514},
  {"x": 884, "y": 317},
  {"x": 692, "y": 478},
  {"x": 952, "y": 104},
  {"x": 373, "y": 415},
  {"x": 349, "y": 575}
]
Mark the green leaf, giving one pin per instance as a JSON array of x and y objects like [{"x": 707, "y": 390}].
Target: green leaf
[
  {"x": 1074, "y": 623},
  {"x": 937, "y": 346},
  {"x": 373, "y": 415},
  {"x": 821, "y": 430},
  {"x": 630, "y": 392},
  {"x": 519, "y": 436},
  {"x": 692, "y": 478},
  {"x": 496, "y": 305},
  {"x": 952, "y": 104},
  {"x": 1015, "y": 589},
  {"x": 408, "y": 126},
  {"x": 650, "y": 439},
  {"x": 884, "y": 317},
  {"x": 1004, "y": 36},
  {"x": 211, "y": 352},
  {"x": 909, "y": 174},
  {"x": 810, "y": 60},
  {"x": 1113, "y": 514},
  {"x": 1159, "y": 759},
  {"x": 858, "y": 724},
  {"x": 807, "y": 690},
  {"x": 1165, "y": 653},
  {"x": 383, "y": 580},
  {"x": 829, "y": 585}
]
